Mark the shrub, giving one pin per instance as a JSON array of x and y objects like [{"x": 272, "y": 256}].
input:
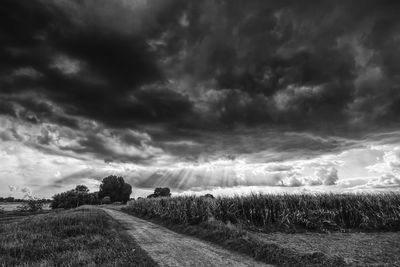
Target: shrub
[
  {"x": 106, "y": 200},
  {"x": 32, "y": 205}
]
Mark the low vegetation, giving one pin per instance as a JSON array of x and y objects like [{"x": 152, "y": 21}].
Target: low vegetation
[
  {"x": 244, "y": 224},
  {"x": 79, "y": 237},
  {"x": 292, "y": 213},
  {"x": 32, "y": 205}
]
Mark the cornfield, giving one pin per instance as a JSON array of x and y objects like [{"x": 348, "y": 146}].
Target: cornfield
[{"x": 333, "y": 212}]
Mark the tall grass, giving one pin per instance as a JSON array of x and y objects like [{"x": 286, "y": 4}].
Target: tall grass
[
  {"x": 80, "y": 237},
  {"x": 320, "y": 212}
]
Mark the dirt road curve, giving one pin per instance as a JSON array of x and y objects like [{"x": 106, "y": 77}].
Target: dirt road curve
[{"x": 172, "y": 249}]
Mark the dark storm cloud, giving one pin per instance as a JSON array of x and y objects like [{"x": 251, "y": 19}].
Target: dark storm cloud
[
  {"x": 101, "y": 144},
  {"x": 6, "y": 108},
  {"x": 263, "y": 49},
  {"x": 323, "y": 64},
  {"x": 257, "y": 145},
  {"x": 31, "y": 109},
  {"x": 92, "y": 68}
]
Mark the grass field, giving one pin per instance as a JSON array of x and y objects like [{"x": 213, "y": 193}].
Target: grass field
[
  {"x": 80, "y": 237},
  {"x": 289, "y": 230}
]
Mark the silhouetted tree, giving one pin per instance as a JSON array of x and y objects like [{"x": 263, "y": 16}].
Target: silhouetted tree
[
  {"x": 82, "y": 189},
  {"x": 160, "y": 192},
  {"x": 74, "y": 198},
  {"x": 115, "y": 188}
]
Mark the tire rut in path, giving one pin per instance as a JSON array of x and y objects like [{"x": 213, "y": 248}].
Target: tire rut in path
[{"x": 169, "y": 248}]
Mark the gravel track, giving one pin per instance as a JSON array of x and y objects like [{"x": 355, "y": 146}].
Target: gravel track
[{"x": 169, "y": 248}]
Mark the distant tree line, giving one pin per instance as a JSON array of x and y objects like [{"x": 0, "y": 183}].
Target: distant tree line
[
  {"x": 112, "y": 189},
  {"x": 160, "y": 192},
  {"x": 75, "y": 198},
  {"x": 19, "y": 200}
]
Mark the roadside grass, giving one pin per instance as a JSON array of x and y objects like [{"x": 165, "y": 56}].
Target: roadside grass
[
  {"x": 257, "y": 225},
  {"x": 79, "y": 237},
  {"x": 359, "y": 249}
]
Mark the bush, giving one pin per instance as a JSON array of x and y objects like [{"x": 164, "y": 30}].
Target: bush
[
  {"x": 32, "y": 205},
  {"x": 106, "y": 200},
  {"x": 74, "y": 198}
]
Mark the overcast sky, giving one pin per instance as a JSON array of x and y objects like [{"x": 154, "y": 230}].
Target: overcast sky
[{"x": 220, "y": 96}]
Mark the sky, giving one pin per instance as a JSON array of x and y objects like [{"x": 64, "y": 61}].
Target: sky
[{"x": 214, "y": 96}]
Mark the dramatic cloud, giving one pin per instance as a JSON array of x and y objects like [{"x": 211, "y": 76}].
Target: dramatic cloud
[
  {"x": 266, "y": 62},
  {"x": 200, "y": 95},
  {"x": 328, "y": 176}
]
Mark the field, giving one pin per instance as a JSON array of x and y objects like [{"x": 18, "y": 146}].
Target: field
[
  {"x": 284, "y": 230},
  {"x": 11, "y": 206},
  {"x": 292, "y": 213},
  {"x": 79, "y": 237},
  {"x": 320, "y": 230}
]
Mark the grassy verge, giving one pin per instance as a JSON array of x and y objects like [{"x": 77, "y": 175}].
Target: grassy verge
[
  {"x": 80, "y": 237},
  {"x": 359, "y": 249},
  {"x": 234, "y": 238}
]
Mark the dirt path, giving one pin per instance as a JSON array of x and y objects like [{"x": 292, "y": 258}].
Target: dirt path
[{"x": 172, "y": 249}]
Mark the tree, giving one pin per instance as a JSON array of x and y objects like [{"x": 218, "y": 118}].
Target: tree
[
  {"x": 82, "y": 189},
  {"x": 115, "y": 188},
  {"x": 74, "y": 198},
  {"x": 160, "y": 192},
  {"x": 209, "y": 196}
]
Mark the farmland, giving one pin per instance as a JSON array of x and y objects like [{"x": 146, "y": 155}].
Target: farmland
[
  {"x": 14, "y": 206},
  {"x": 283, "y": 230},
  {"x": 289, "y": 229},
  {"x": 292, "y": 213}
]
